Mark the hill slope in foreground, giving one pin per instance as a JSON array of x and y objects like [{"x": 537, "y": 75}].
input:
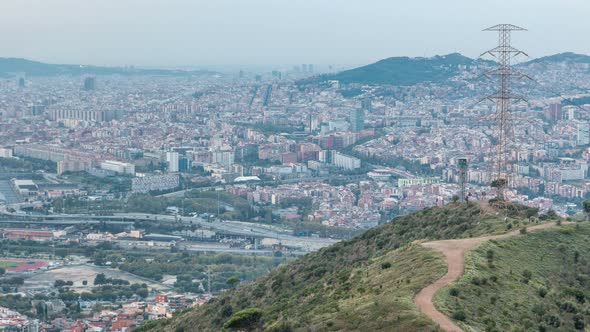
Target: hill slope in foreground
[
  {"x": 366, "y": 283},
  {"x": 537, "y": 282}
]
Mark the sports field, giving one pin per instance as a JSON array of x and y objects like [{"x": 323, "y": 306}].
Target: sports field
[{"x": 21, "y": 264}]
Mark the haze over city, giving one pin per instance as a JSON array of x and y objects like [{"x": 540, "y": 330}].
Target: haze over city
[{"x": 273, "y": 32}]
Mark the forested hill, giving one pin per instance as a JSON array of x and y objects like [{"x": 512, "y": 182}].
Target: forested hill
[{"x": 405, "y": 70}]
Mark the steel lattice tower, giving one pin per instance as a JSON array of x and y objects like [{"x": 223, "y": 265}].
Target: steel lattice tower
[{"x": 503, "y": 54}]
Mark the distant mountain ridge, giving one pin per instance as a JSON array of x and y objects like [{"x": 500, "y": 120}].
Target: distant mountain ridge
[
  {"x": 405, "y": 71},
  {"x": 13, "y": 66},
  {"x": 566, "y": 57}
]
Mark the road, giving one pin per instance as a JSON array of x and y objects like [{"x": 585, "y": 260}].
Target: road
[
  {"x": 65, "y": 222},
  {"x": 454, "y": 253}
]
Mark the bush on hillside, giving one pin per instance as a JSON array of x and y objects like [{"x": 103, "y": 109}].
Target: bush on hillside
[
  {"x": 247, "y": 319},
  {"x": 459, "y": 315}
]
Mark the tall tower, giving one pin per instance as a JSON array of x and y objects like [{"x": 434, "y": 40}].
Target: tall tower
[
  {"x": 89, "y": 83},
  {"x": 503, "y": 73},
  {"x": 356, "y": 117},
  {"x": 462, "y": 163}
]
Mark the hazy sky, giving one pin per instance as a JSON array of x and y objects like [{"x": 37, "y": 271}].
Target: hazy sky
[{"x": 214, "y": 32}]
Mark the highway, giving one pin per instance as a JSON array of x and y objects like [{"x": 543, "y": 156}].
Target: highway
[
  {"x": 207, "y": 247},
  {"x": 65, "y": 222},
  {"x": 232, "y": 228}
]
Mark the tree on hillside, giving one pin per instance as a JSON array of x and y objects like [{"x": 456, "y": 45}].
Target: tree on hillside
[
  {"x": 61, "y": 252},
  {"x": 244, "y": 320},
  {"x": 586, "y": 205},
  {"x": 100, "y": 279},
  {"x": 233, "y": 281}
]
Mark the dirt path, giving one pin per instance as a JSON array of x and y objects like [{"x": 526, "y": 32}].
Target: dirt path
[{"x": 454, "y": 252}]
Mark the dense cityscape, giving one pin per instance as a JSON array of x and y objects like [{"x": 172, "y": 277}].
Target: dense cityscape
[
  {"x": 401, "y": 193},
  {"x": 247, "y": 168}
]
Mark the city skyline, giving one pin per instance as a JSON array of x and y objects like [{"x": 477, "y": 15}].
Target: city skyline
[{"x": 263, "y": 32}]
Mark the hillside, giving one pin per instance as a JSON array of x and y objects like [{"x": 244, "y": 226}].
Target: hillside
[
  {"x": 405, "y": 70},
  {"x": 537, "y": 282},
  {"x": 567, "y": 57},
  {"x": 367, "y": 282},
  {"x": 33, "y": 68}
]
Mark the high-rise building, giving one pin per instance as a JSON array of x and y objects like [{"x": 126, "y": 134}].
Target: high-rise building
[
  {"x": 21, "y": 82},
  {"x": 569, "y": 112},
  {"x": 184, "y": 164},
  {"x": 583, "y": 133},
  {"x": 172, "y": 160},
  {"x": 248, "y": 152},
  {"x": 345, "y": 162},
  {"x": 89, "y": 84},
  {"x": 554, "y": 112},
  {"x": 357, "y": 119},
  {"x": 223, "y": 158},
  {"x": 366, "y": 104}
]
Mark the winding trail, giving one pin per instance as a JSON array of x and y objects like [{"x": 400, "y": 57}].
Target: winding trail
[{"x": 454, "y": 252}]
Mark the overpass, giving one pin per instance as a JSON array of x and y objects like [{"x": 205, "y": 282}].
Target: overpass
[{"x": 223, "y": 228}]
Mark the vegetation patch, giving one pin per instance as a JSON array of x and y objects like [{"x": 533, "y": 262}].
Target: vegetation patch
[{"x": 538, "y": 281}]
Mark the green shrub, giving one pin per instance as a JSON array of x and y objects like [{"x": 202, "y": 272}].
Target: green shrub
[
  {"x": 459, "y": 315},
  {"x": 282, "y": 327},
  {"x": 553, "y": 321},
  {"x": 568, "y": 307},
  {"x": 226, "y": 310},
  {"x": 454, "y": 291},
  {"x": 385, "y": 265},
  {"x": 247, "y": 319},
  {"x": 579, "y": 322},
  {"x": 526, "y": 276},
  {"x": 539, "y": 309}
]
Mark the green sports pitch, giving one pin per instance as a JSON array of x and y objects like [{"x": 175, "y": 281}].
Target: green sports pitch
[{"x": 6, "y": 264}]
